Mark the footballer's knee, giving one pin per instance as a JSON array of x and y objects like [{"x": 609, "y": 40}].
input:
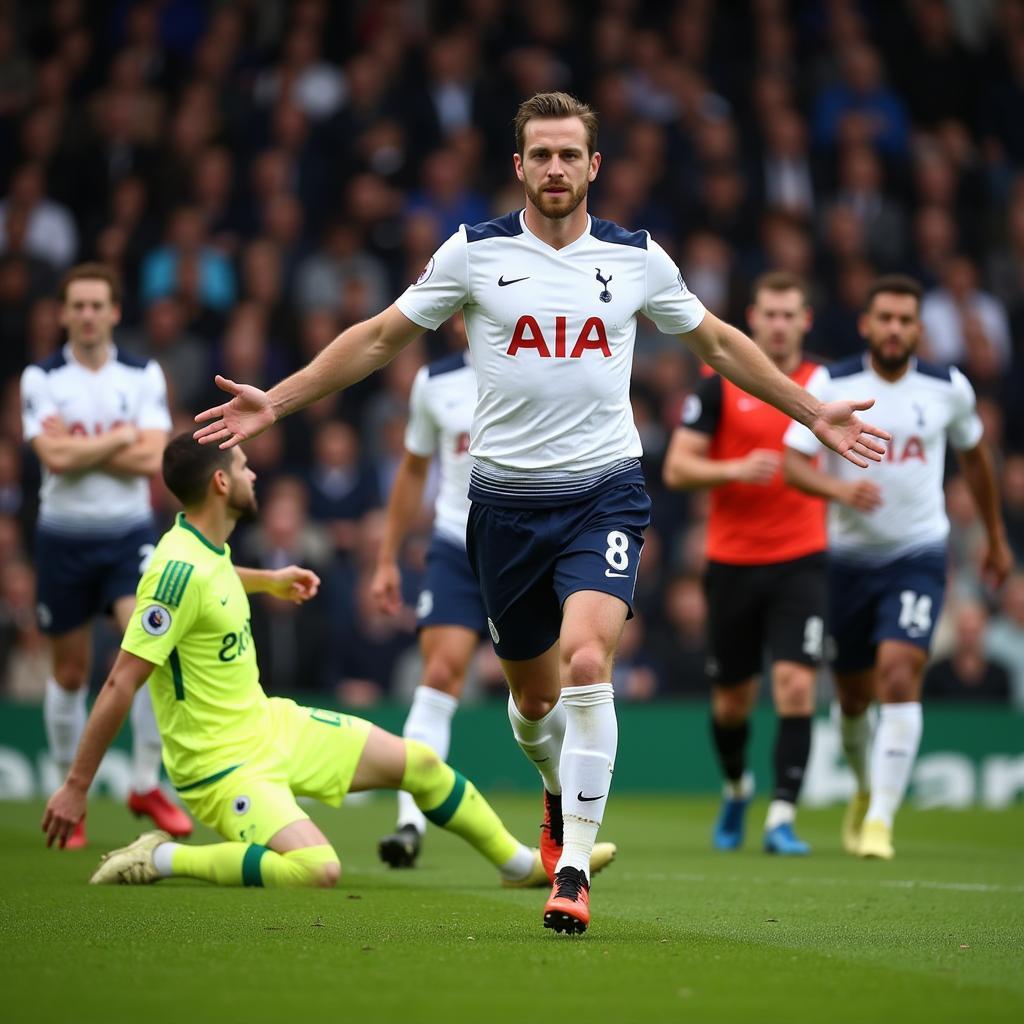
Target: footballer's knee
[
  {"x": 70, "y": 672},
  {"x": 444, "y": 672},
  {"x": 328, "y": 874},
  {"x": 794, "y": 688},
  {"x": 899, "y": 681},
  {"x": 588, "y": 664}
]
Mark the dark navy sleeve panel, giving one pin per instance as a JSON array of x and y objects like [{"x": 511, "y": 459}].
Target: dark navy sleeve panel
[
  {"x": 128, "y": 359},
  {"x": 934, "y": 370},
  {"x": 501, "y": 227},
  {"x": 446, "y": 364},
  {"x": 846, "y": 367},
  {"x": 607, "y": 231},
  {"x": 702, "y": 409},
  {"x": 54, "y": 361}
]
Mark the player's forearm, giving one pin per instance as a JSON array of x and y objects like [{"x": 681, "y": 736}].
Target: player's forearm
[
  {"x": 693, "y": 472},
  {"x": 105, "y": 721},
  {"x": 800, "y": 472},
  {"x": 256, "y": 581},
  {"x": 738, "y": 359},
  {"x": 980, "y": 476},
  {"x": 351, "y": 356},
  {"x": 140, "y": 459},
  {"x": 74, "y": 454},
  {"x": 403, "y": 506}
]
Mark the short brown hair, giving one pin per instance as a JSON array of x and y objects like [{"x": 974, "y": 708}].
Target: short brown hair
[
  {"x": 552, "y": 105},
  {"x": 780, "y": 281},
  {"x": 895, "y": 284},
  {"x": 92, "y": 272}
]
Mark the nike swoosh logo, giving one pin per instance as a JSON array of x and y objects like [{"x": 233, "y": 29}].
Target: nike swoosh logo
[
  {"x": 621, "y": 575},
  {"x": 588, "y": 799},
  {"x": 224, "y": 600},
  {"x": 515, "y": 280}
]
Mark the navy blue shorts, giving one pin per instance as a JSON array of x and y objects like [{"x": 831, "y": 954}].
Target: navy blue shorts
[
  {"x": 901, "y": 600},
  {"x": 450, "y": 595},
  {"x": 528, "y": 561},
  {"x": 81, "y": 577}
]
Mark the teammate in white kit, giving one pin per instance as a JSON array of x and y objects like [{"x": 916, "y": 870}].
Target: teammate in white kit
[
  {"x": 887, "y": 545},
  {"x": 550, "y": 297},
  {"x": 97, "y": 418}
]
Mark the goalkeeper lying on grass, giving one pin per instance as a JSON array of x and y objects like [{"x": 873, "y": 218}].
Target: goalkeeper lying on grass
[{"x": 237, "y": 757}]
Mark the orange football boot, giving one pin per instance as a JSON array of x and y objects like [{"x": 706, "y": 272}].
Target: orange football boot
[{"x": 568, "y": 908}]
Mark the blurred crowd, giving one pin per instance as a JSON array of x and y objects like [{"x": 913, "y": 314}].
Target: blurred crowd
[{"x": 264, "y": 173}]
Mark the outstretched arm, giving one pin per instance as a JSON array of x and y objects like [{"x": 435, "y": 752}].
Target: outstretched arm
[
  {"x": 979, "y": 472},
  {"x": 290, "y": 583},
  {"x": 353, "y": 355},
  {"x": 736, "y": 357},
  {"x": 67, "y": 805},
  {"x": 403, "y": 504}
]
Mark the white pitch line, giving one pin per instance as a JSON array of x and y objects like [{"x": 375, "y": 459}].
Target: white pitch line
[{"x": 908, "y": 883}]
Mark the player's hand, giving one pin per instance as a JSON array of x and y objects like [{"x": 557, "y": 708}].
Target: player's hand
[
  {"x": 996, "y": 562},
  {"x": 758, "y": 466},
  {"x": 386, "y": 588},
  {"x": 839, "y": 429},
  {"x": 125, "y": 433},
  {"x": 861, "y": 495},
  {"x": 54, "y": 426},
  {"x": 64, "y": 811},
  {"x": 247, "y": 414},
  {"x": 295, "y": 584}
]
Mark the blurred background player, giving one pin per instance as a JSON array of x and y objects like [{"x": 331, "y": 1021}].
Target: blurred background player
[
  {"x": 98, "y": 420},
  {"x": 238, "y": 757},
  {"x": 449, "y": 613},
  {"x": 765, "y": 577},
  {"x": 887, "y": 545}
]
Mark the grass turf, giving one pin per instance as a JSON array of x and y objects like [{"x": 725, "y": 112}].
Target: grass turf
[{"x": 679, "y": 933}]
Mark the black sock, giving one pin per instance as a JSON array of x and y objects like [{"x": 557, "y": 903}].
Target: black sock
[
  {"x": 792, "y": 748},
  {"x": 731, "y": 747}
]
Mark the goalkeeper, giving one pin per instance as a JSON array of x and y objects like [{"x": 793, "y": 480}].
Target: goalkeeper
[{"x": 238, "y": 758}]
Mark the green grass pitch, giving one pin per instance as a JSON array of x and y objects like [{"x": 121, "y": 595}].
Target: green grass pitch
[{"x": 679, "y": 933}]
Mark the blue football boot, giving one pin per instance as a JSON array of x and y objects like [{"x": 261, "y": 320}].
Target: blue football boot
[{"x": 783, "y": 840}]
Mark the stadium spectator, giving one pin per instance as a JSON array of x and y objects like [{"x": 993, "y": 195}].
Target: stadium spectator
[
  {"x": 50, "y": 231},
  {"x": 1004, "y": 641},
  {"x": 968, "y": 673}
]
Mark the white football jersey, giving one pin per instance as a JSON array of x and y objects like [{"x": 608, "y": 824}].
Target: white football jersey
[
  {"x": 124, "y": 389},
  {"x": 921, "y": 409},
  {"x": 440, "y": 416},
  {"x": 551, "y": 332}
]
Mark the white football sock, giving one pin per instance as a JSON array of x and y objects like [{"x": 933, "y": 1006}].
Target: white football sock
[
  {"x": 780, "y": 812},
  {"x": 64, "y": 715},
  {"x": 855, "y": 733},
  {"x": 519, "y": 865},
  {"x": 163, "y": 859},
  {"x": 429, "y": 721},
  {"x": 541, "y": 742},
  {"x": 895, "y": 748},
  {"x": 146, "y": 751},
  {"x": 741, "y": 789},
  {"x": 588, "y": 759}
]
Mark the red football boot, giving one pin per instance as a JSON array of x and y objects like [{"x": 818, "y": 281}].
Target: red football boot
[
  {"x": 551, "y": 833},
  {"x": 77, "y": 840},
  {"x": 165, "y": 815},
  {"x": 568, "y": 908}
]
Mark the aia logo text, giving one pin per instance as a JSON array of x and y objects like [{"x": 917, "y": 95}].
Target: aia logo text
[
  {"x": 529, "y": 335},
  {"x": 903, "y": 451}
]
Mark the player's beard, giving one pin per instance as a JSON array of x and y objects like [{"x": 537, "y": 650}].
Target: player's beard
[
  {"x": 244, "y": 506},
  {"x": 889, "y": 362},
  {"x": 557, "y": 209}
]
